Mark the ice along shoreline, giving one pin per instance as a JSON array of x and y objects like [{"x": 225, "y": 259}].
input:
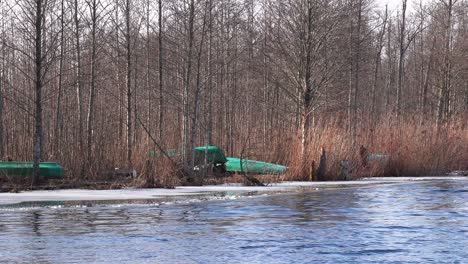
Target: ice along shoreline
[{"x": 188, "y": 191}]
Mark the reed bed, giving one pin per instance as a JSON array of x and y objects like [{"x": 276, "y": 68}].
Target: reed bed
[{"x": 412, "y": 149}]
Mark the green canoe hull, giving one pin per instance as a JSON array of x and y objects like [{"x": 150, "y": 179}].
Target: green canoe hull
[
  {"x": 213, "y": 154},
  {"x": 254, "y": 167},
  {"x": 47, "y": 170}
]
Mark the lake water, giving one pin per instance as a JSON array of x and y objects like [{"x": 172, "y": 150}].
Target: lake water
[{"x": 412, "y": 222}]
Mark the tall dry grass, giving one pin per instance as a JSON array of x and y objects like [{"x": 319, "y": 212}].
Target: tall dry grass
[{"x": 413, "y": 149}]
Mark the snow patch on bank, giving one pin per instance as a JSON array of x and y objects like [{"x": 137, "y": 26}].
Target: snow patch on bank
[{"x": 191, "y": 191}]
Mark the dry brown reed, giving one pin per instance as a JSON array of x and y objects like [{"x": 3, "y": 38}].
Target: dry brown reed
[{"x": 413, "y": 149}]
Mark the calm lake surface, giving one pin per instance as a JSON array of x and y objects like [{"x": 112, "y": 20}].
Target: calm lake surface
[{"x": 413, "y": 222}]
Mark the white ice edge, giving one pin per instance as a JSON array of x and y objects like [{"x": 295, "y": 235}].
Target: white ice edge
[{"x": 137, "y": 194}]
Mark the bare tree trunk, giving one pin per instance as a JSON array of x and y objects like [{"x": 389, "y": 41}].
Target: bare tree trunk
[
  {"x": 128, "y": 83},
  {"x": 92, "y": 89},
  {"x": 466, "y": 96},
  {"x": 79, "y": 84},
  {"x": 350, "y": 76},
  {"x": 198, "y": 88},
  {"x": 389, "y": 75},
  {"x": 401, "y": 62},
  {"x": 443, "y": 112},
  {"x": 377, "y": 64},
  {"x": 357, "y": 58},
  {"x": 135, "y": 131},
  {"x": 2, "y": 81},
  {"x": 2, "y": 76},
  {"x": 38, "y": 85},
  {"x": 58, "y": 116},
  {"x": 209, "y": 128},
  {"x": 425, "y": 87},
  {"x": 118, "y": 77},
  {"x": 147, "y": 77},
  {"x": 186, "y": 110},
  {"x": 421, "y": 61},
  {"x": 308, "y": 89},
  {"x": 268, "y": 110},
  {"x": 161, "y": 74}
]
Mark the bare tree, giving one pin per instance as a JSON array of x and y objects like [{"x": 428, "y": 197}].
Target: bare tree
[
  {"x": 188, "y": 75},
  {"x": 304, "y": 29},
  {"x": 356, "y": 51},
  {"x": 79, "y": 82},
  {"x": 128, "y": 50},
  {"x": 161, "y": 73},
  {"x": 38, "y": 85},
  {"x": 444, "y": 107},
  {"x": 58, "y": 117},
  {"x": 377, "y": 66},
  {"x": 209, "y": 128},
  {"x": 2, "y": 75},
  {"x": 198, "y": 90},
  {"x": 93, "y": 8},
  {"x": 401, "y": 59}
]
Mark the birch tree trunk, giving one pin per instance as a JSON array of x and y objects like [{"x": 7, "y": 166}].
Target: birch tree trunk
[
  {"x": 92, "y": 89},
  {"x": 79, "y": 83},
  {"x": 308, "y": 86}
]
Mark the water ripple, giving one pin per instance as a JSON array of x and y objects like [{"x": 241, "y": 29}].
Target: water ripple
[{"x": 419, "y": 222}]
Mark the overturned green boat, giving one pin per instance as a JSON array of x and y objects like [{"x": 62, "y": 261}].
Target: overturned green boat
[
  {"x": 215, "y": 156},
  {"x": 213, "y": 159},
  {"x": 212, "y": 154},
  {"x": 47, "y": 170},
  {"x": 236, "y": 165}
]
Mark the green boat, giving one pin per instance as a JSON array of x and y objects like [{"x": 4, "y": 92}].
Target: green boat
[
  {"x": 219, "y": 164},
  {"x": 214, "y": 158},
  {"x": 253, "y": 167},
  {"x": 47, "y": 170},
  {"x": 213, "y": 154}
]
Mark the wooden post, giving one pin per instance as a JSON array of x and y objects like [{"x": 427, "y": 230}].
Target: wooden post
[
  {"x": 345, "y": 169},
  {"x": 312, "y": 171},
  {"x": 363, "y": 155},
  {"x": 322, "y": 165}
]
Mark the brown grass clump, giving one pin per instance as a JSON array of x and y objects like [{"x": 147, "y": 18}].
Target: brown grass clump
[{"x": 413, "y": 149}]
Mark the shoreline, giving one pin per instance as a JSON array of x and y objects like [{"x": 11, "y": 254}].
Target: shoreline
[{"x": 77, "y": 195}]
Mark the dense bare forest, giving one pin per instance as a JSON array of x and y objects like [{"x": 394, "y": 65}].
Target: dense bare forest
[{"x": 98, "y": 84}]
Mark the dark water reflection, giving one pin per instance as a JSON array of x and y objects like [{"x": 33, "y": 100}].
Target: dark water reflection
[{"x": 416, "y": 222}]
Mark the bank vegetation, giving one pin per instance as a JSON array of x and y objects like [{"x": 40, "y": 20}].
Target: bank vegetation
[{"x": 99, "y": 84}]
